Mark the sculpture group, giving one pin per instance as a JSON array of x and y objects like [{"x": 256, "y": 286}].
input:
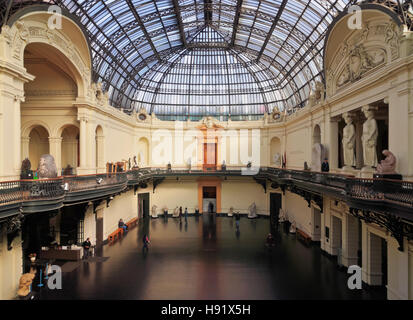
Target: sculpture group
[{"x": 368, "y": 139}]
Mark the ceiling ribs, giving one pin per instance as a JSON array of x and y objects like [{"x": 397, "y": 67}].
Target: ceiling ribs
[
  {"x": 274, "y": 24},
  {"x": 142, "y": 26},
  {"x": 180, "y": 24},
  {"x": 236, "y": 22}
]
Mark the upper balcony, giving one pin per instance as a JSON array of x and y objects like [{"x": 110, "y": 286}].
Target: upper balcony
[{"x": 380, "y": 195}]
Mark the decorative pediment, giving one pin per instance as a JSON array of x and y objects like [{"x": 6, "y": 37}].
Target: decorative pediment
[
  {"x": 358, "y": 62},
  {"x": 361, "y": 52},
  {"x": 210, "y": 123}
]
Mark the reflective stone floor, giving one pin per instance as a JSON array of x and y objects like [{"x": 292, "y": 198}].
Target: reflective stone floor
[{"x": 207, "y": 259}]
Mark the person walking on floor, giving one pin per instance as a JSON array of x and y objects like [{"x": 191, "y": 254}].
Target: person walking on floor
[
  {"x": 146, "y": 242},
  {"x": 186, "y": 214},
  {"x": 237, "y": 220},
  {"x": 86, "y": 247}
]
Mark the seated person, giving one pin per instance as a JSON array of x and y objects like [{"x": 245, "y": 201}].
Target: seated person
[
  {"x": 270, "y": 240},
  {"x": 122, "y": 225}
]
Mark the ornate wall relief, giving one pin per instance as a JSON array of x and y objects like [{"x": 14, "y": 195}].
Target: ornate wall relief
[{"x": 361, "y": 53}]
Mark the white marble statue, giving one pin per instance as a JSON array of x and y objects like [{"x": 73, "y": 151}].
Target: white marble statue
[
  {"x": 369, "y": 139},
  {"x": 317, "y": 157},
  {"x": 282, "y": 216},
  {"x": 277, "y": 159},
  {"x": 176, "y": 212},
  {"x": 349, "y": 142},
  {"x": 388, "y": 165},
  {"x": 293, "y": 228},
  {"x": 154, "y": 213},
  {"x": 252, "y": 211}
]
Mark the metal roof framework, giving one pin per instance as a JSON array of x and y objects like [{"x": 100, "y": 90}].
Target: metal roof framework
[{"x": 188, "y": 58}]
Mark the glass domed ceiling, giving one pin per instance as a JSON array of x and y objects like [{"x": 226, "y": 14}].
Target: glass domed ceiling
[
  {"x": 181, "y": 58},
  {"x": 211, "y": 80}
]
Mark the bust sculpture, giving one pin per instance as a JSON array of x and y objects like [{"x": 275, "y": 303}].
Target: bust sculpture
[
  {"x": 388, "y": 165},
  {"x": 369, "y": 138},
  {"x": 252, "y": 211},
  {"x": 349, "y": 142},
  {"x": 47, "y": 167}
]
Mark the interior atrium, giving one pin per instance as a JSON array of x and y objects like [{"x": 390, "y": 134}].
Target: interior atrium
[{"x": 254, "y": 149}]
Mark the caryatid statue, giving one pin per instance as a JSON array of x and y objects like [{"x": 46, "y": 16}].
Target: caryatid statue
[
  {"x": 369, "y": 138},
  {"x": 349, "y": 142}
]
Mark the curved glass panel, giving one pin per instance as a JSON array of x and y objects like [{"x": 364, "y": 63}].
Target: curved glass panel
[{"x": 189, "y": 58}]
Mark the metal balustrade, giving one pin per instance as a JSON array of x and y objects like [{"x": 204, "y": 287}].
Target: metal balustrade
[{"x": 392, "y": 191}]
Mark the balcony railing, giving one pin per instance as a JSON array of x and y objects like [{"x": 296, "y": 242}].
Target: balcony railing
[{"x": 391, "y": 191}]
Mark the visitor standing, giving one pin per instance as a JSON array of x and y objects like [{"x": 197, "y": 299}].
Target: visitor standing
[
  {"x": 146, "y": 242},
  {"x": 86, "y": 247},
  {"x": 325, "y": 166}
]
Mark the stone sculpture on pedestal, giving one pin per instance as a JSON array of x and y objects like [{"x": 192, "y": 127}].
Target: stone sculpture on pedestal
[
  {"x": 154, "y": 213},
  {"x": 369, "y": 139},
  {"x": 318, "y": 154},
  {"x": 252, "y": 211},
  {"x": 388, "y": 165},
  {"x": 349, "y": 142},
  {"x": 277, "y": 159},
  {"x": 47, "y": 167}
]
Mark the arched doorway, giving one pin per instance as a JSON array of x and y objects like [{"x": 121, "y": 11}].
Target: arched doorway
[
  {"x": 38, "y": 145},
  {"x": 100, "y": 158},
  {"x": 316, "y": 134},
  {"x": 70, "y": 150}
]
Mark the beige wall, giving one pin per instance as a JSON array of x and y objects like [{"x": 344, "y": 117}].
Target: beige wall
[
  {"x": 241, "y": 193},
  {"x": 123, "y": 206},
  {"x": 10, "y": 265}
]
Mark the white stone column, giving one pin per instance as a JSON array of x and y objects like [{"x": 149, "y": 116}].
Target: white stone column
[
  {"x": 55, "y": 147},
  {"x": 100, "y": 154},
  {"x": 400, "y": 141},
  {"x": 12, "y": 80},
  {"x": 350, "y": 240},
  {"x": 333, "y": 146},
  {"x": 25, "y": 143},
  {"x": 82, "y": 169}
]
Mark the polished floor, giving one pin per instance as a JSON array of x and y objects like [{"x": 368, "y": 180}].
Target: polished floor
[{"x": 207, "y": 259}]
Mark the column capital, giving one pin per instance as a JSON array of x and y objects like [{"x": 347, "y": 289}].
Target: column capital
[{"x": 55, "y": 139}]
